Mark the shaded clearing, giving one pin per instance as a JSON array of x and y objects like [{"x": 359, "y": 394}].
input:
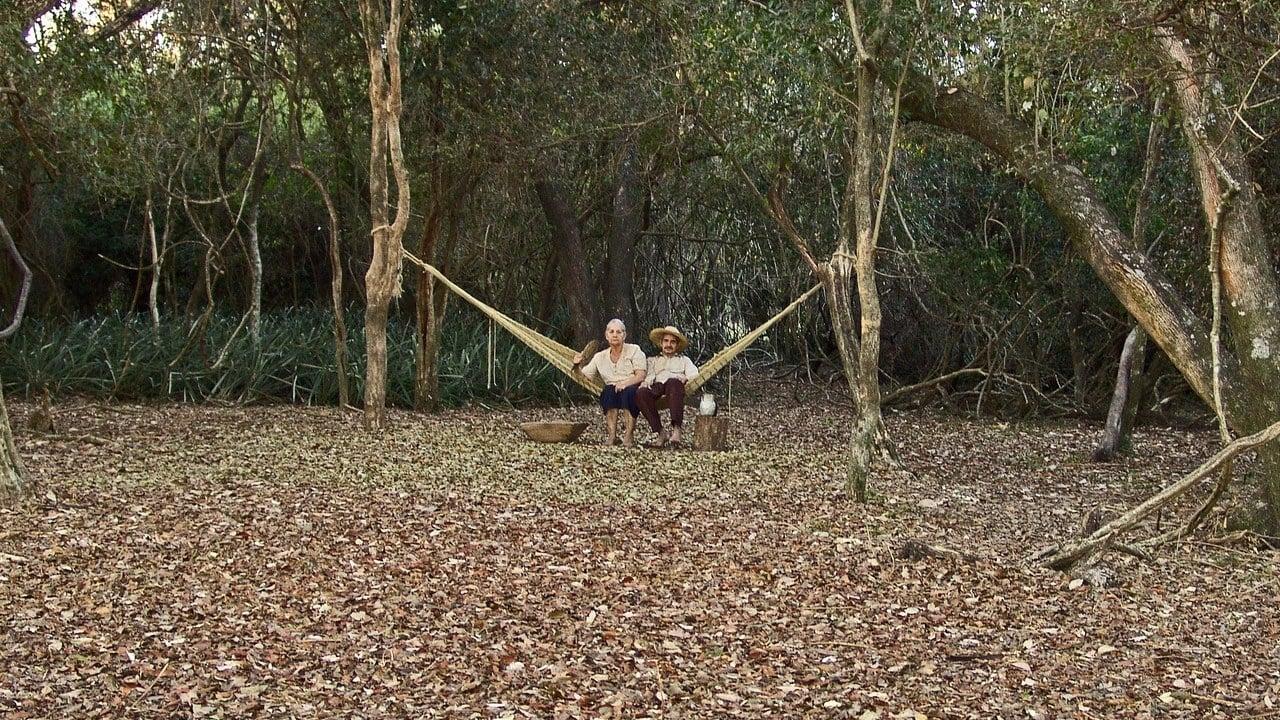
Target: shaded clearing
[{"x": 277, "y": 561}]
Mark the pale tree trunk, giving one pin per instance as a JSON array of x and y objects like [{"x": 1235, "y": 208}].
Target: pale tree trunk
[
  {"x": 383, "y": 279},
  {"x": 13, "y": 474},
  {"x": 1115, "y": 438},
  {"x": 158, "y": 251},
  {"x": 14, "y": 481},
  {"x": 335, "y": 267},
  {"x": 1248, "y": 283},
  {"x": 869, "y": 425},
  {"x": 254, "y": 252},
  {"x": 858, "y": 341},
  {"x": 870, "y": 441},
  {"x": 1128, "y": 389}
]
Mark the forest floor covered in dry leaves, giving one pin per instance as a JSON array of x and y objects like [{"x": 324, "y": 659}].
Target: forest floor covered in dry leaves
[{"x": 230, "y": 562}]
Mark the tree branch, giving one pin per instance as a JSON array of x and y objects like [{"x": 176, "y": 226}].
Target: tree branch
[{"x": 24, "y": 291}]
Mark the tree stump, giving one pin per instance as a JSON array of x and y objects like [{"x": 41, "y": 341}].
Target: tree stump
[{"x": 710, "y": 433}]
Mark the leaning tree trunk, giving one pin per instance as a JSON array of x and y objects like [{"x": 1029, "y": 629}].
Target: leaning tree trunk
[
  {"x": 1134, "y": 280},
  {"x": 1129, "y": 387},
  {"x": 575, "y": 275},
  {"x": 1115, "y": 438},
  {"x": 382, "y": 281}
]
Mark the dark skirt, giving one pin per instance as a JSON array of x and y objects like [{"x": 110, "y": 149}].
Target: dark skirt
[{"x": 611, "y": 399}]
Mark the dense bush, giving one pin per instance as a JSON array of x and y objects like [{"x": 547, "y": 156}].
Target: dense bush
[{"x": 119, "y": 357}]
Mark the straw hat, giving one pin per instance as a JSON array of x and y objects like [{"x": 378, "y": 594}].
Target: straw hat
[{"x": 655, "y": 336}]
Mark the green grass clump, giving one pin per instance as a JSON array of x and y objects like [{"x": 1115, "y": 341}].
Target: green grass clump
[{"x": 119, "y": 357}]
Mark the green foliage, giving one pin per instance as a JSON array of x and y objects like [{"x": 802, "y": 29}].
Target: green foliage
[{"x": 119, "y": 357}]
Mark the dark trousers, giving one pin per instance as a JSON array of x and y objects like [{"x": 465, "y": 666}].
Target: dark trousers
[
  {"x": 611, "y": 399},
  {"x": 647, "y": 399}
]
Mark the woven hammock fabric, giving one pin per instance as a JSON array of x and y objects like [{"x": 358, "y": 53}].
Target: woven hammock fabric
[{"x": 561, "y": 357}]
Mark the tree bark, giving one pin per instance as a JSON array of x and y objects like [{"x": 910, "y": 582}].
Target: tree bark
[
  {"x": 575, "y": 275},
  {"x": 864, "y": 377},
  {"x": 1249, "y": 284},
  {"x": 254, "y": 255},
  {"x": 14, "y": 481},
  {"x": 382, "y": 281},
  {"x": 624, "y": 232},
  {"x": 1135, "y": 281},
  {"x": 430, "y": 305},
  {"x": 1119, "y": 416},
  {"x": 13, "y": 474}
]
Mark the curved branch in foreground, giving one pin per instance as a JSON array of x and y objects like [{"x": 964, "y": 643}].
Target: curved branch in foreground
[
  {"x": 24, "y": 291},
  {"x": 1065, "y": 556}
]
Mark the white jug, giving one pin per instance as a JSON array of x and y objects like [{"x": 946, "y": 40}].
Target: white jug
[{"x": 708, "y": 404}]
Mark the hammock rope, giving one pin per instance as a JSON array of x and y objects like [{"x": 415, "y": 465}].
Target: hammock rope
[{"x": 561, "y": 357}]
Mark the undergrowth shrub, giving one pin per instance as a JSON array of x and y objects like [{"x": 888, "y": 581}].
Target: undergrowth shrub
[{"x": 119, "y": 357}]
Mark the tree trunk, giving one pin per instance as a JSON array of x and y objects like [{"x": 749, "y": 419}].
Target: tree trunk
[
  {"x": 158, "y": 250},
  {"x": 575, "y": 276},
  {"x": 1144, "y": 291},
  {"x": 429, "y": 307},
  {"x": 869, "y": 432},
  {"x": 547, "y": 287},
  {"x": 254, "y": 255},
  {"x": 1130, "y": 387},
  {"x": 624, "y": 233},
  {"x": 1123, "y": 401},
  {"x": 13, "y": 474},
  {"x": 382, "y": 281},
  {"x": 1248, "y": 280}
]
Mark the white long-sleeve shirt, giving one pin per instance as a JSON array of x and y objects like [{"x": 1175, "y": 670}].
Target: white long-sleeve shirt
[{"x": 662, "y": 368}]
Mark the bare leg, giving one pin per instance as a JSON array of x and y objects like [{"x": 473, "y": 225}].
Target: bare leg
[
  {"x": 611, "y": 427},
  {"x": 628, "y": 429}
]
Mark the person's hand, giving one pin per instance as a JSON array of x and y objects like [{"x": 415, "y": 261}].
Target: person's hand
[{"x": 619, "y": 387}]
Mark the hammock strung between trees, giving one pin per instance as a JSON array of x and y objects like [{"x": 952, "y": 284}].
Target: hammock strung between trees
[{"x": 561, "y": 356}]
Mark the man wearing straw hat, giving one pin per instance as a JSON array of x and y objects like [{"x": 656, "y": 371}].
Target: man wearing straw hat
[{"x": 666, "y": 376}]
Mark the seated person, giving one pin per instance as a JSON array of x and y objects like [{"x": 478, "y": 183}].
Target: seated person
[
  {"x": 666, "y": 376},
  {"x": 621, "y": 366}
]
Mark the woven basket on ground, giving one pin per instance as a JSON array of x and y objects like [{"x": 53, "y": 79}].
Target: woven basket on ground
[{"x": 553, "y": 431}]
